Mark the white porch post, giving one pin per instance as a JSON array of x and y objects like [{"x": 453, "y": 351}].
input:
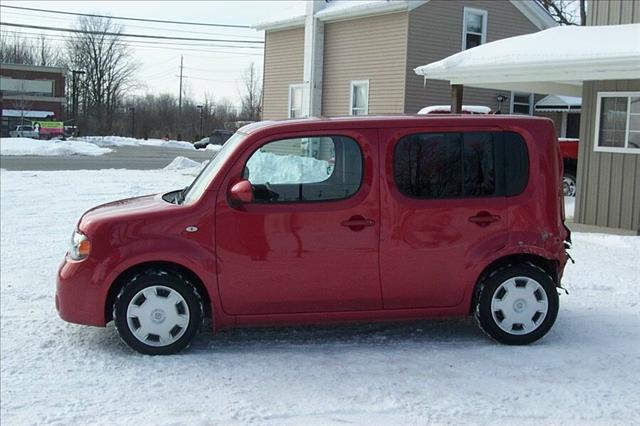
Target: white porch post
[{"x": 313, "y": 56}]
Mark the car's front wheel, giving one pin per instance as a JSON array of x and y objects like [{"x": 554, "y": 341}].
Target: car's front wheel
[
  {"x": 517, "y": 304},
  {"x": 158, "y": 312}
]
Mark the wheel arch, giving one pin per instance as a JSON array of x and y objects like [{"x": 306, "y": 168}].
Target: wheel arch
[
  {"x": 548, "y": 265},
  {"x": 130, "y": 272}
]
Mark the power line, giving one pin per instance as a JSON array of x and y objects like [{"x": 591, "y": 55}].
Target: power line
[
  {"x": 127, "y": 18},
  {"x": 112, "y": 34},
  {"x": 160, "y": 46},
  {"x": 141, "y": 43},
  {"x": 144, "y": 27}
]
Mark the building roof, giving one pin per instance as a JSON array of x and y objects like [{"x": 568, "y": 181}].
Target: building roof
[
  {"x": 26, "y": 114},
  {"x": 336, "y": 10},
  {"x": 556, "y": 60},
  {"x": 21, "y": 67},
  {"x": 555, "y": 103}
]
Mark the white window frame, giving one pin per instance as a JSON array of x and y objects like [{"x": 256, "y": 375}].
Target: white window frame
[
  {"x": 352, "y": 84},
  {"x": 483, "y": 35},
  {"x": 291, "y": 88},
  {"x": 513, "y": 95},
  {"x": 596, "y": 136}
]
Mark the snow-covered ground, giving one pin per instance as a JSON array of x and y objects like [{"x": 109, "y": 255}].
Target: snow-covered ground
[
  {"x": 584, "y": 372},
  {"x": 87, "y": 145},
  {"x": 27, "y": 146},
  {"x": 110, "y": 141}
]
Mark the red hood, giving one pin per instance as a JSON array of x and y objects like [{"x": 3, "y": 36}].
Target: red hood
[{"x": 129, "y": 208}]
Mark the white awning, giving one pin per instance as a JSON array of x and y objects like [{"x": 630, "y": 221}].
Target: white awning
[
  {"x": 554, "y": 103},
  {"x": 556, "y": 60},
  {"x": 26, "y": 114}
]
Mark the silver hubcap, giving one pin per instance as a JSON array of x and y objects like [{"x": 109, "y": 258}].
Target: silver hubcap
[
  {"x": 158, "y": 315},
  {"x": 568, "y": 186},
  {"x": 519, "y": 305}
]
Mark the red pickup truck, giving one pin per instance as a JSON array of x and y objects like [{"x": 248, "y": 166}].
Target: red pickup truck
[{"x": 569, "y": 151}]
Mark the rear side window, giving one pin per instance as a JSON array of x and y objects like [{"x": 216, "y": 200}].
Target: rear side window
[
  {"x": 461, "y": 164},
  {"x": 305, "y": 169}
]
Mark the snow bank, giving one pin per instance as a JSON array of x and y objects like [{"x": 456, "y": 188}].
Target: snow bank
[
  {"x": 186, "y": 166},
  {"x": 26, "y": 146},
  {"x": 107, "y": 141},
  {"x": 180, "y": 163},
  {"x": 213, "y": 147},
  {"x": 438, "y": 372},
  {"x": 268, "y": 167}
]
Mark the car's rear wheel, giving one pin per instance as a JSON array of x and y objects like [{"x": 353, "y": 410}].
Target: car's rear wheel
[
  {"x": 517, "y": 304},
  {"x": 569, "y": 184},
  {"x": 158, "y": 312}
]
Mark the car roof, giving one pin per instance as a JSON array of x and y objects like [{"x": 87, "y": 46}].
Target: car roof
[{"x": 373, "y": 121}]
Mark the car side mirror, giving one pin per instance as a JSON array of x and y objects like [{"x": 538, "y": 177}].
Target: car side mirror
[{"x": 241, "y": 192}]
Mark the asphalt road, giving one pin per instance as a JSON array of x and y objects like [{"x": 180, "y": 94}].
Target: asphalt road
[{"x": 126, "y": 157}]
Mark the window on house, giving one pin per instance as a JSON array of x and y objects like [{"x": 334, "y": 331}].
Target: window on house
[
  {"x": 521, "y": 103},
  {"x": 474, "y": 30},
  {"x": 618, "y": 122},
  {"x": 295, "y": 100},
  {"x": 359, "y": 97},
  {"x": 454, "y": 165}
]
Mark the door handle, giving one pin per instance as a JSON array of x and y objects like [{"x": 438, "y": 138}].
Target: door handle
[
  {"x": 484, "y": 218},
  {"x": 357, "y": 223}
]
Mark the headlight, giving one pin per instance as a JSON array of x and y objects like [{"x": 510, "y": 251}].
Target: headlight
[{"x": 80, "y": 246}]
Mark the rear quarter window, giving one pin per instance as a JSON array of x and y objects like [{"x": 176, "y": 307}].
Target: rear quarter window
[{"x": 461, "y": 164}]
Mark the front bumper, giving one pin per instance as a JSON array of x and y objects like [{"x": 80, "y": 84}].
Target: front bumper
[{"x": 79, "y": 298}]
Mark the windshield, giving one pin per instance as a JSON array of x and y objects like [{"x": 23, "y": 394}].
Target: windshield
[{"x": 200, "y": 183}]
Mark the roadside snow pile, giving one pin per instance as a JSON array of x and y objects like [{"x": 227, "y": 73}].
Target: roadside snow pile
[
  {"x": 437, "y": 371},
  {"x": 213, "y": 147},
  {"x": 185, "y": 166},
  {"x": 107, "y": 141},
  {"x": 180, "y": 163},
  {"x": 26, "y": 146},
  {"x": 268, "y": 167}
]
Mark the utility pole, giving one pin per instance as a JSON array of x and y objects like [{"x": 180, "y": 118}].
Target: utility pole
[
  {"x": 74, "y": 97},
  {"x": 133, "y": 121},
  {"x": 180, "y": 94},
  {"x": 201, "y": 108}
]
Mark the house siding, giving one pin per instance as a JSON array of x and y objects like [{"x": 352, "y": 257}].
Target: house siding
[
  {"x": 283, "y": 65},
  {"x": 371, "y": 48},
  {"x": 608, "y": 183},
  {"x": 435, "y": 32}
]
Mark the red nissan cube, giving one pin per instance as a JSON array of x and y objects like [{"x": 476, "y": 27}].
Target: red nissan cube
[{"x": 327, "y": 220}]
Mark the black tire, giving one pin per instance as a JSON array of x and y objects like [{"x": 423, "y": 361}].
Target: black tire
[
  {"x": 165, "y": 278},
  {"x": 492, "y": 283},
  {"x": 569, "y": 183}
]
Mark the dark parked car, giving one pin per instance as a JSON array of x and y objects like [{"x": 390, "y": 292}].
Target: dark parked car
[
  {"x": 326, "y": 220},
  {"x": 218, "y": 137}
]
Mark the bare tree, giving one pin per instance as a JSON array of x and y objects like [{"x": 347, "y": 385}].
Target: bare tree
[
  {"x": 17, "y": 49},
  {"x": 109, "y": 69},
  {"x": 251, "y": 94},
  {"x": 48, "y": 55},
  {"x": 566, "y": 12}
]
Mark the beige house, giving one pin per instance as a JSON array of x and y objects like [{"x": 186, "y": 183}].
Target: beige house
[
  {"x": 342, "y": 57},
  {"x": 600, "y": 63}
]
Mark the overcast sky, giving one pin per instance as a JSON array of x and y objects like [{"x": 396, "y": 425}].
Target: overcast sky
[{"x": 216, "y": 73}]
